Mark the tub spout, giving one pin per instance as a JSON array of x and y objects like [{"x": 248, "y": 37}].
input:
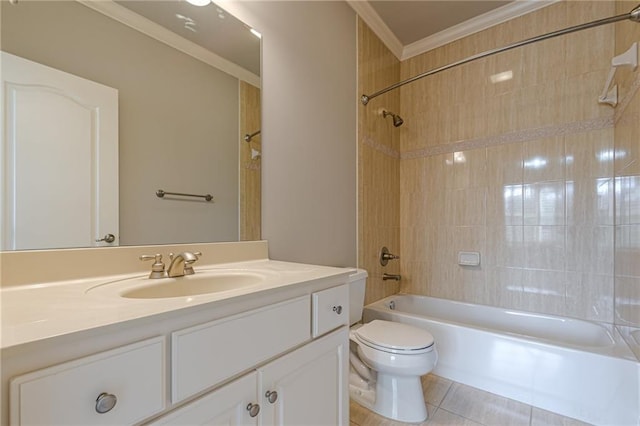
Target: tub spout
[{"x": 386, "y": 276}]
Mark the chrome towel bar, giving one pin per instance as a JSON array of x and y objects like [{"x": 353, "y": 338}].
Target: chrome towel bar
[{"x": 161, "y": 193}]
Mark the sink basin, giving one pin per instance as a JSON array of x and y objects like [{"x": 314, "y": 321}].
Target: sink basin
[{"x": 202, "y": 282}]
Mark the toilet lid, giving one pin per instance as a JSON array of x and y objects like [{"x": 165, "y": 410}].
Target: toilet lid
[{"x": 394, "y": 335}]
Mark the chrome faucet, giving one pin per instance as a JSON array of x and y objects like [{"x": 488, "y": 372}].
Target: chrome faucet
[{"x": 181, "y": 263}]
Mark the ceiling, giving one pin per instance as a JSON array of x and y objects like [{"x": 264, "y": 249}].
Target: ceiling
[
  {"x": 209, "y": 27},
  {"x": 411, "y": 21},
  {"x": 409, "y": 28}
]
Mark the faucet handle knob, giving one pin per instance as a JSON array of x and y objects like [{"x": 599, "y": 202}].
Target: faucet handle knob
[{"x": 157, "y": 269}]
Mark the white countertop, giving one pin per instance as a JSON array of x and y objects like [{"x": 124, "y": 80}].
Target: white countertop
[{"x": 40, "y": 311}]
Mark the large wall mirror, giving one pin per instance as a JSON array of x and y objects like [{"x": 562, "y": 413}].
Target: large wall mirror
[{"x": 187, "y": 81}]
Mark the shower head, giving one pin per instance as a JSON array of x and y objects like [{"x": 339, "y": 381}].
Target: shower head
[{"x": 397, "y": 120}]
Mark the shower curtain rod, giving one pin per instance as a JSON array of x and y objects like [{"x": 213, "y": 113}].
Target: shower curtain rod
[{"x": 634, "y": 15}]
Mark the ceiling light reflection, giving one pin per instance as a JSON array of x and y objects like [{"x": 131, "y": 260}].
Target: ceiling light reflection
[
  {"x": 535, "y": 163},
  {"x": 501, "y": 76},
  {"x": 199, "y": 2}
]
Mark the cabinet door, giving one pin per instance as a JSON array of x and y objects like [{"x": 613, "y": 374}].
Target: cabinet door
[
  {"x": 130, "y": 379},
  {"x": 310, "y": 384},
  {"x": 229, "y": 405}
]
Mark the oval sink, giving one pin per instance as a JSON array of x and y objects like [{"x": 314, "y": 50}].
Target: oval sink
[{"x": 202, "y": 282}]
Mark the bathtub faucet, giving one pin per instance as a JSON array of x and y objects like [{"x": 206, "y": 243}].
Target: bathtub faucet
[{"x": 386, "y": 276}]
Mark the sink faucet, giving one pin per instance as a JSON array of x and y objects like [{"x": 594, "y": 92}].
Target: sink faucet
[{"x": 181, "y": 263}]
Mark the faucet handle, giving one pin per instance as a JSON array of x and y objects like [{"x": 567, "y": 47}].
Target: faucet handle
[
  {"x": 188, "y": 265},
  {"x": 157, "y": 269}
]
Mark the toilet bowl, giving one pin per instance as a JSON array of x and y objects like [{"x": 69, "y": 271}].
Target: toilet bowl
[{"x": 387, "y": 360}]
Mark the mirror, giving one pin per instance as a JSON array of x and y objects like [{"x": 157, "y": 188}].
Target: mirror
[{"x": 187, "y": 80}]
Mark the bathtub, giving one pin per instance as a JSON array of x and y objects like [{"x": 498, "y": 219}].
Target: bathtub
[{"x": 575, "y": 368}]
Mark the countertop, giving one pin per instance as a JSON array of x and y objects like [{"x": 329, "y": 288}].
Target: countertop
[{"x": 40, "y": 311}]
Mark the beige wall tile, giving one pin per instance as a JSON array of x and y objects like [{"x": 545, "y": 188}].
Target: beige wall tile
[
  {"x": 544, "y": 247},
  {"x": 627, "y": 292},
  {"x": 540, "y": 209},
  {"x": 544, "y": 203},
  {"x": 590, "y": 249},
  {"x": 379, "y": 165},
  {"x": 590, "y": 201},
  {"x": 590, "y": 296},
  {"x": 543, "y": 160}
]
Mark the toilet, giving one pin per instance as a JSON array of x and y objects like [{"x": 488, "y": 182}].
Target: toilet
[{"x": 386, "y": 361}]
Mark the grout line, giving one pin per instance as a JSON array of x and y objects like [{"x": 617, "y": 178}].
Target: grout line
[{"x": 446, "y": 393}]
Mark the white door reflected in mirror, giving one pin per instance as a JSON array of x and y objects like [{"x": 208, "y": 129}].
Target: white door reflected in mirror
[{"x": 60, "y": 159}]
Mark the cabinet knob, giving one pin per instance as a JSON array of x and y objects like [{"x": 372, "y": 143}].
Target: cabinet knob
[
  {"x": 105, "y": 402},
  {"x": 337, "y": 309},
  {"x": 272, "y": 396},
  {"x": 253, "y": 409}
]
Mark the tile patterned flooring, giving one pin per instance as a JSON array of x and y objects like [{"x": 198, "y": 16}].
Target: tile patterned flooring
[{"x": 454, "y": 404}]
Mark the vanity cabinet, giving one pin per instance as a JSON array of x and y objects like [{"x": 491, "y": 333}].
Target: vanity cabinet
[
  {"x": 306, "y": 386},
  {"x": 282, "y": 363},
  {"x": 210, "y": 353}
]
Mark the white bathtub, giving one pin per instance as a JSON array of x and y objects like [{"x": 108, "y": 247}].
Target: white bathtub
[{"x": 576, "y": 368}]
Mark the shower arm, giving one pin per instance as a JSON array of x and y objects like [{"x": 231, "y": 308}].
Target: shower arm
[
  {"x": 634, "y": 16},
  {"x": 248, "y": 136}
]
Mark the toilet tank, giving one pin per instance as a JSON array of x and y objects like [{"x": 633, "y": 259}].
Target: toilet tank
[{"x": 357, "y": 285}]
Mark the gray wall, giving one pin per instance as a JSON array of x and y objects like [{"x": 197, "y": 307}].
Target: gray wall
[
  {"x": 178, "y": 118},
  {"x": 309, "y": 128}
]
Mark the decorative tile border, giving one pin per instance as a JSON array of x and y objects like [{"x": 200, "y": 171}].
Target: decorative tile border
[
  {"x": 513, "y": 137},
  {"x": 384, "y": 149}
]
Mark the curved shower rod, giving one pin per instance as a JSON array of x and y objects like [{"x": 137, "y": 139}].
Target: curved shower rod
[{"x": 634, "y": 16}]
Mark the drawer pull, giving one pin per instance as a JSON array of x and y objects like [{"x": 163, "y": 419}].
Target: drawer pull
[
  {"x": 253, "y": 409},
  {"x": 105, "y": 402},
  {"x": 272, "y": 396},
  {"x": 337, "y": 309}
]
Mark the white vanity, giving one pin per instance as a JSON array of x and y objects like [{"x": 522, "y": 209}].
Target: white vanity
[{"x": 271, "y": 351}]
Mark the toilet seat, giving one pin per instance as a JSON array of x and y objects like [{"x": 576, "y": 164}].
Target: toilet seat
[{"x": 394, "y": 337}]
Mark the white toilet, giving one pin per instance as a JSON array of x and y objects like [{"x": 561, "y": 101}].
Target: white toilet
[{"x": 387, "y": 359}]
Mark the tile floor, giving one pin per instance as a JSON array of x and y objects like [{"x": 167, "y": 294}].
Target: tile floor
[{"x": 455, "y": 404}]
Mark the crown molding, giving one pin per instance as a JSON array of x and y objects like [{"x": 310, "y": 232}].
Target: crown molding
[
  {"x": 158, "y": 32},
  {"x": 472, "y": 26},
  {"x": 464, "y": 29},
  {"x": 377, "y": 25}
]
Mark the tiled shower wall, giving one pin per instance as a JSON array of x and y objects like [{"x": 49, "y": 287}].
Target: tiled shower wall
[
  {"x": 627, "y": 182},
  {"x": 378, "y": 165},
  {"x": 513, "y": 157},
  {"x": 250, "y": 164}
]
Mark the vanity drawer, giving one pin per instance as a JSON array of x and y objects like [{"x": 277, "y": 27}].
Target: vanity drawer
[
  {"x": 67, "y": 394},
  {"x": 330, "y": 309},
  {"x": 207, "y": 354}
]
